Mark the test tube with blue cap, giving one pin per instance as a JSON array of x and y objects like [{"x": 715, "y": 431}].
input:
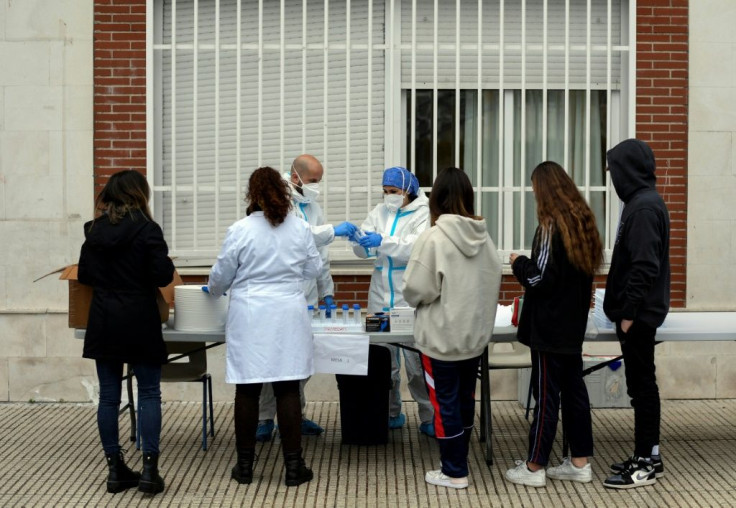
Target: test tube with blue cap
[
  {"x": 345, "y": 312},
  {"x": 356, "y": 315},
  {"x": 322, "y": 313}
]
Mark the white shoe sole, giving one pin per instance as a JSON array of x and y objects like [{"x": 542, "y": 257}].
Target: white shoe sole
[
  {"x": 631, "y": 485},
  {"x": 527, "y": 483},
  {"x": 441, "y": 483},
  {"x": 569, "y": 478}
]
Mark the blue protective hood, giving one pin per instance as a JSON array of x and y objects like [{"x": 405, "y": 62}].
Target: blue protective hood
[{"x": 402, "y": 179}]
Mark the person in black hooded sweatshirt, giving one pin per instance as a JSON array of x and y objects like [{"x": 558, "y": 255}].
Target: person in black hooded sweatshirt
[
  {"x": 637, "y": 301},
  {"x": 125, "y": 258}
]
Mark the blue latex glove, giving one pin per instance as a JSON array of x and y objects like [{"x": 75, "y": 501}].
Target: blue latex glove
[
  {"x": 329, "y": 301},
  {"x": 370, "y": 239},
  {"x": 345, "y": 229},
  {"x": 206, "y": 289}
]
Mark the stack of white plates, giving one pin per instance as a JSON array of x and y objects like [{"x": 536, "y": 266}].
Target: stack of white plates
[
  {"x": 600, "y": 318},
  {"x": 196, "y": 311}
]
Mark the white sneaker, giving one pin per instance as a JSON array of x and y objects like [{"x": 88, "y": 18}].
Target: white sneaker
[
  {"x": 568, "y": 471},
  {"x": 523, "y": 476},
  {"x": 437, "y": 477}
]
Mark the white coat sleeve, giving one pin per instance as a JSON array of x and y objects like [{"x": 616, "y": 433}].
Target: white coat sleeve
[
  {"x": 313, "y": 265},
  {"x": 324, "y": 234},
  {"x": 399, "y": 247},
  {"x": 422, "y": 278},
  {"x": 325, "y": 284},
  {"x": 223, "y": 273}
]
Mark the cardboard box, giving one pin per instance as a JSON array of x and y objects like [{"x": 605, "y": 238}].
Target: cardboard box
[
  {"x": 378, "y": 322},
  {"x": 606, "y": 386},
  {"x": 80, "y": 297}
]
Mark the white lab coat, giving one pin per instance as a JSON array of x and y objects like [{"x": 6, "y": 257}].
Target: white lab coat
[
  {"x": 324, "y": 234},
  {"x": 269, "y": 334},
  {"x": 400, "y": 231}
]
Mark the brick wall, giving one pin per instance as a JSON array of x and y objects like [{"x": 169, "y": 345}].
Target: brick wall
[
  {"x": 662, "y": 115},
  {"x": 662, "y": 87},
  {"x": 119, "y": 87}
]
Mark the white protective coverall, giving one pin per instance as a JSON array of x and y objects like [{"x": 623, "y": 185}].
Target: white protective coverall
[
  {"x": 315, "y": 288},
  {"x": 399, "y": 231},
  {"x": 269, "y": 334}
]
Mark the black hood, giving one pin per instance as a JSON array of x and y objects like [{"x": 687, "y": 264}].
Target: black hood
[
  {"x": 632, "y": 166},
  {"x": 102, "y": 234}
]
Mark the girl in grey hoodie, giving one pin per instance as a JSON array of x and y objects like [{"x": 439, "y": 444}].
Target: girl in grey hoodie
[{"x": 452, "y": 278}]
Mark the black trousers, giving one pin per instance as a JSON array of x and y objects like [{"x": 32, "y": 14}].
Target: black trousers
[
  {"x": 559, "y": 377},
  {"x": 637, "y": 347}
]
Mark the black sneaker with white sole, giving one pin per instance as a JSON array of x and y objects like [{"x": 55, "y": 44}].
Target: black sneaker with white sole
[
  {"x": 656, "y": 460},
  {"x": 639, "y": 472}
]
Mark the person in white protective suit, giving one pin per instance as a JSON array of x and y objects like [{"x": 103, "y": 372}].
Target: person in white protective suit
[
  {"x": 390, "y": 231},
  {"x": 304, "y": 179}
]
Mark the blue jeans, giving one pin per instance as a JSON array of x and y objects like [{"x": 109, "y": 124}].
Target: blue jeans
[{"x": 110, "y": 375}]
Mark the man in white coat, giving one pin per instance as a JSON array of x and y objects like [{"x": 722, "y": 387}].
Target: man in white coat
[{"x": 304, "y": 179}]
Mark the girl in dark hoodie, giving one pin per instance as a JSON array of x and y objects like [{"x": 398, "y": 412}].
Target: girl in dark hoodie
[
  {"x": 125, "y": 258},
  {"x": 558, "y": 282}
]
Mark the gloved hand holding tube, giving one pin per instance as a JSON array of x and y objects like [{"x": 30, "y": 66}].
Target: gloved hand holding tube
[
  {"x": 345, "y": 229},
  {"x": 329, "y": 302},
  {"x": 370, "y": 240}
]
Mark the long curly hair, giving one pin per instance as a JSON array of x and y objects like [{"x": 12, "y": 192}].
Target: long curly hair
[
  {"x": 125, "y": 192},
  {"x": 268, "y": 192},
  {"x": 561, "y": 207}
]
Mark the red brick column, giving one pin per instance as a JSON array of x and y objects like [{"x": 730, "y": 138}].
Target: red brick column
[
  {"x": 661, "y": 115},
  {"x": 119, "y": 87}
]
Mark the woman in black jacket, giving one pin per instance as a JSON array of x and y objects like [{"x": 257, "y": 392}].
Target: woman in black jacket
[
  {"x": 125, "y": 259},
  {"x": 558, "y": 281}
]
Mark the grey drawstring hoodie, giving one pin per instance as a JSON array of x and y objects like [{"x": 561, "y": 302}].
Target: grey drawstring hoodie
[{"x": 453, "y": 278}]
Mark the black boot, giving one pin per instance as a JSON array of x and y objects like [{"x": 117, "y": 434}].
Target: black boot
[
  {"x": 243, "y": 469},
  {"x": 297, "y": 471},
  {"x": 120, "y": 477},
  {"x": 150, "y": 481}
]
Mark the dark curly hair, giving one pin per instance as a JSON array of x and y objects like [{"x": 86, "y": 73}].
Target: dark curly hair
[{"x": 270, "y": 193}]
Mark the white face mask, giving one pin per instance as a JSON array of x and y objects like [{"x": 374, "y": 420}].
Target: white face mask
[
  {"x": 310, "y": 191},
  {"x": 393, "y": 201}
]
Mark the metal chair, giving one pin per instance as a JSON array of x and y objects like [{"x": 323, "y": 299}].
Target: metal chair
[
  {"x": 194, "y": 369},
  {"x": 511, "y": 355}
]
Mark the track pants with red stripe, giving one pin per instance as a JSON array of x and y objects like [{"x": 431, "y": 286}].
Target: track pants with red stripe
[
  {"x": 451, "y": 388},
  {"x": 555, "y": 378}
]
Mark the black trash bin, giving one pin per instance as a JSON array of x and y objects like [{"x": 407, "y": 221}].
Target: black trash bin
[{"x": 364, "y": 401}]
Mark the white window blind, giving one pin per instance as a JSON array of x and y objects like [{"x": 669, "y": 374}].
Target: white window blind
[{"x": 247, "y": 84}]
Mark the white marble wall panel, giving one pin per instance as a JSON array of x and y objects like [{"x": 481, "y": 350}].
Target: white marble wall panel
[
  {"x": 711, "y": 287},
  {"x": 4, "y": 389},
  {"x": 48, "y": 19},
  {"x": 34, "y": 197},
  {"x": 24, "y": 153},
  {"x": 726, "y": 377},
  {"x": 60, "y": 340},
  {"x": 710, "y": 154},
  {"x": 32, "y": 69},
  {"x": 33, "y": 249},
  {"x": 22, "y": 335},
  {"x": 693, "y": 377},
  {"x": 52, "y": 379},
  {"x": 78, "y": 108},
  {"x": 70, "y": 62},
  {"x": 712, "y": 21},
  {"x": 33, "y": 108}
]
